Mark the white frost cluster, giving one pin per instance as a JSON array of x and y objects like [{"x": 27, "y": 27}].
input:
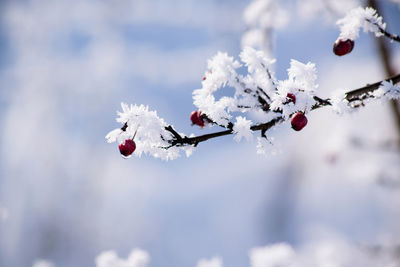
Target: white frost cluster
[
  {"x": 387, "y": 91},
  {"x": 222, "y": 72},
  {"x": 302, "y": 84},
  {"x": 149, "y": 131},
  {"x": 261, "y": 18},
  {"x": 358, "y": 18},
  {"x": 241, "y": 128},
  {"x": 213, "y": 262},
  {"x": 137, "y": 258},
  {"x": 340, "y": 105}
]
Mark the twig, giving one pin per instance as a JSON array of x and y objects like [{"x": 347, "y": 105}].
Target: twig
[
  {"x": 123, "y": 128},
  {"x": 370, "y": 88},
  {"x": 201, "y": 138},
  {"x": 321, "y": 102},
  {"x": 174, "y": 133},
  {"x": 270, "y": 76},
  {"x": 391, "y": 36}
]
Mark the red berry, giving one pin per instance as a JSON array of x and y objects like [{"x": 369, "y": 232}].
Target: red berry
[
  {"x": 343, "y": 47},
  {"x": 195, "y": 117},
  {"x": 127, "y": 148},
  {"x": 299, "y": 121},
  {"x": 205, "y": 77},
  {"x": 292, "y": 98}
]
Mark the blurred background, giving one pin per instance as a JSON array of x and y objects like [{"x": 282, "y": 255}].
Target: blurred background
[{"x": 66, "y": 195}]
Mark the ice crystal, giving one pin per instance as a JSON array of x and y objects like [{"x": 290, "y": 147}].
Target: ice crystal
[
  {"x": 302, "y": 84},
  {"x": 241, "y": 129},
  {"x": 149, "y": 131},
  {"x": 222, "y": 72},
  {"x": 339, "y": 102},
  {"x": 387, "y": 91},
  {"x": 358, "y": 18}
]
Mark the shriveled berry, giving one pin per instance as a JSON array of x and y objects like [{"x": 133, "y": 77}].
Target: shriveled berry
[
  {"x": 291, "y": 98},
  {"x": 343, "y": 47},
  {"x": 196, "y": 118},
  {"x": 299, "y": 121},
  {"x": 127, "y": 148}
]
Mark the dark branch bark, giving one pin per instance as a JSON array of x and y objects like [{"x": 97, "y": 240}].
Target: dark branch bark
[
  {"x": 201, "y": 138},
  {"x": 174, "y": 133},
  {"x": 391, "y": 36},
  {"x": 321, "y": 102},
  {"x": 355, "y": 94}
]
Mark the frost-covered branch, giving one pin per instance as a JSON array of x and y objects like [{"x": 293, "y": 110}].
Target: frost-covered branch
[
  {"x": 359, "y": 94},
  {"x": 357, "y": 18},
  {"x": 195, "y": 140},
  {"x": 143, "y": 131},
  {"x": 391, "y": 36},
  {"x": 360, "y": 18}
]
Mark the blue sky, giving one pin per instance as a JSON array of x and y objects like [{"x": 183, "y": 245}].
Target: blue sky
[{"x": 64, "y": 69}]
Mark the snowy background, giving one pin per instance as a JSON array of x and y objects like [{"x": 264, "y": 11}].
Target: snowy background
[{"x": 66, "y": 195}]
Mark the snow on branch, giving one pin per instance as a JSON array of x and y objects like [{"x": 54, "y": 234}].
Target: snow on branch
[
  {"x": 257, "y": 90},
  {"x": 387, "y": 91},
  {"x": 365, "y": 18},
  {"x": 150, "y": 132}
]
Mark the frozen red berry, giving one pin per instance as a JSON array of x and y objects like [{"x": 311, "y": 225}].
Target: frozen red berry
[
  {"x": 205, "y": 76},
  {"x": 127, "y": 148},
  {"x": 196, "y": 118},
  {"x": 291, "y": 98},
  {"x": 299, "y": 121},
  {"x": 343, "y": 47}
]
